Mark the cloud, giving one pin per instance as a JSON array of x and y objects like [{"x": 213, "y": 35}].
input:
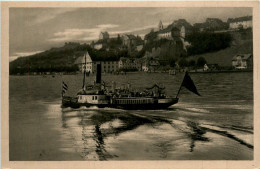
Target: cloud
[
  {"x": 93, "y": 33},
  {"x": 48, "y": 14},
  {"x": 22, "y": 54},
  {"x": 137, "y": 29},
  {"x": 81, "y": 34},
  {"x": 76, "y": 34},
  {"x": 107, "y": 26},
  {"x": 132, "y": 30}
]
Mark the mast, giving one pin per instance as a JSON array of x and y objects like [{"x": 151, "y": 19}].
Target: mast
[
  {"x": 181, "y": 85},
  {"x": 178, "y": 91},
  {"x": 84, "y": 76}
]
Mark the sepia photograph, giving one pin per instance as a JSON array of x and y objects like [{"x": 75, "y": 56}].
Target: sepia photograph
[{"x": 130, "y": 83}]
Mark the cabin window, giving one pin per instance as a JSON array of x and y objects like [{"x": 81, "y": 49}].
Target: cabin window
[
  {"x": 80, "y": 97},
  {"x": 95, "y": 97}
]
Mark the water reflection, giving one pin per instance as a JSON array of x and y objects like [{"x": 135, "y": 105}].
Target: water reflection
[{"x": 98, "y": 125}]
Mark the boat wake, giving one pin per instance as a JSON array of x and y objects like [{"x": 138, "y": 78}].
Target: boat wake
[{"x": 103, "y": 124}]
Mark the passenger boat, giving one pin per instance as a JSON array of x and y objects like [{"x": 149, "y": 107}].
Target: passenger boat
[{"x": 98, "y": 95}]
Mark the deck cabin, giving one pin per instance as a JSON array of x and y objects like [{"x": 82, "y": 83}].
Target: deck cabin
[
  {"x": 93, "y": 99},
  {"x": 133, "y": 100}
]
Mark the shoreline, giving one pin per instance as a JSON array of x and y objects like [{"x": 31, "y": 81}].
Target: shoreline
[{"x": 193, "y": 72}]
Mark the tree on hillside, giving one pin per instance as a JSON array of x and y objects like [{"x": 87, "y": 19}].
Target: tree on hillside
[
  {"x": 192, "y": 63},
  {"x": 201, "y": 62},
  {"x": 173, "y": 63},
  {"x": 183, "y": 62},
  {"x": 203, "y": 42}
]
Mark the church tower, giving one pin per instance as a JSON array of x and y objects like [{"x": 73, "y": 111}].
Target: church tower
[{"x": 160, "y": 26}]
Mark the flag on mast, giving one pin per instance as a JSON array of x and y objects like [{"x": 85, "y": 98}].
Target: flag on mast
[
  {"x": 64, "y": 88},
  {"x": 189, "y": 84}
]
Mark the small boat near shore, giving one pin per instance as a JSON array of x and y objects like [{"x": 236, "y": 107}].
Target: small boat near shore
[{"x": 100, "y": 96}]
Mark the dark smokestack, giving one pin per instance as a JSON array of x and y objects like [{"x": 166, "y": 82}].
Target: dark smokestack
[{"x": 98, "y": 76}]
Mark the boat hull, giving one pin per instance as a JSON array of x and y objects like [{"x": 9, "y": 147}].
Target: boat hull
[
  {"x": 143, "y": 106},
  {"x": 66, "y": 102}
]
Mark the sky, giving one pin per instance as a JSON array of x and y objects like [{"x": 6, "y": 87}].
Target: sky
[{"x": 33, "y": 30}]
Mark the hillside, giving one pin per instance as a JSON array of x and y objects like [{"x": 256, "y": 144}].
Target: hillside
[
  {"x": 224, "y": 57},
  {"x": 216, "y": 48},
  {"x": 60, "y": 59},
  {"x": 165, "y": 49}
]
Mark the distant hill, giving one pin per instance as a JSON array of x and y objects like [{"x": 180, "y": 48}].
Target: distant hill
[{"x": 60, "y": 59}]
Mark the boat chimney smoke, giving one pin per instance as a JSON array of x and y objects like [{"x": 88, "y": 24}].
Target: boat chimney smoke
[{"x": 98, "y": 75}]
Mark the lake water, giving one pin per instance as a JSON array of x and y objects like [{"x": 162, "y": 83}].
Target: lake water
[{"x": 216, "y": 126}]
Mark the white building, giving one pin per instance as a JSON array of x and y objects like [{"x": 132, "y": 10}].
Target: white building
[
  {"x": 242, "y": 22},
  {"x": 98, "y": 46},
  {"x": 242, "y": 61},
  {"x": 150, "y": 64},
  {"x": 129, "y": 63},
  {"x": 107, "y": 66}
]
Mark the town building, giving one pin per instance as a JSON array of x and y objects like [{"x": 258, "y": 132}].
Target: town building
[
  {"x": 103, "y": 36},
  {"x": 139, "y": 47},
  {"x": 243, "y": 61},
  {"x": 160, "y": 26},
  {"x": 183, "y": 23},
  {"x": 171, "y": 32},
  {"x": 211, "y": 67},
  {"x": 129, "y": 64},
  {"x": 241, "y": 22},
  {"x": 150, "y": 64},
  {"x": 150, "y": 36},
  {"x": 131, "y": 40},
  {"x": 132, "y": 43},
  {"x": 211, "y": 24},
  {"x": 98, "y": 46},
  {"x": 107, "y": 66}
]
